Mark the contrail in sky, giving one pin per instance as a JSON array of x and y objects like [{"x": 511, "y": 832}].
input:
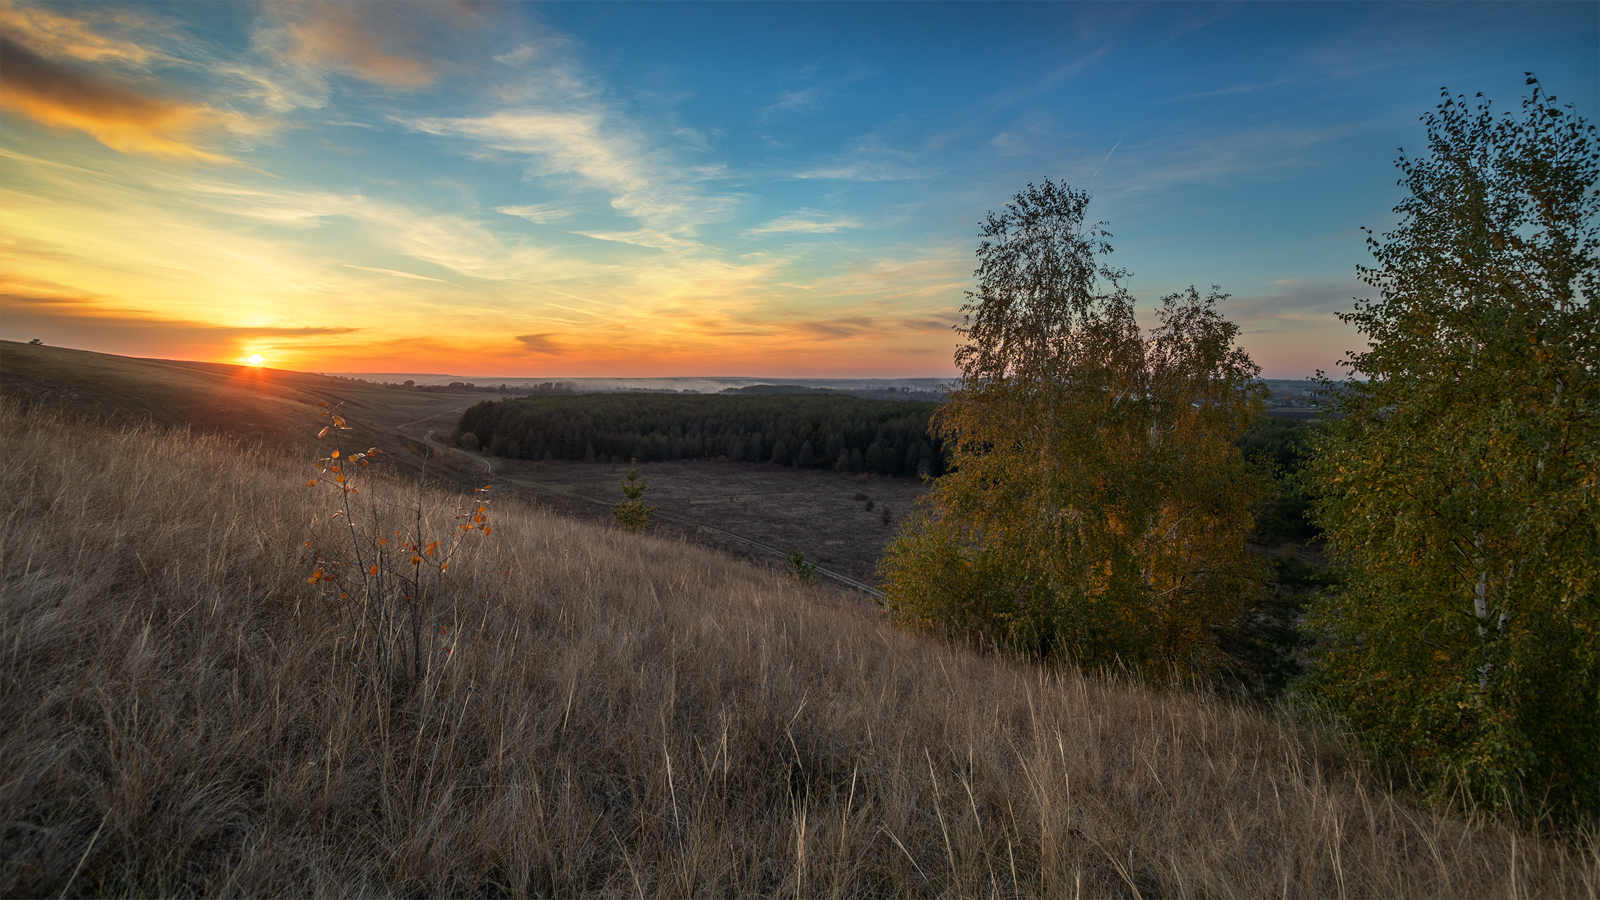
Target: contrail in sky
[{"x": 1108, "y": 154}]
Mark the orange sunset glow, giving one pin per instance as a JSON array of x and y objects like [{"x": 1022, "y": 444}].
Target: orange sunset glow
[{"x": 711, "y": 190}]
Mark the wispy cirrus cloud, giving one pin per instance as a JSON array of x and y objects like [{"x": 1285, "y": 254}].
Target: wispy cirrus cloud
[
  {"x": 1162, "y": 164},
  {"x": 895, "y": 151},
  {"x": 124, "y": 119},
  {"x": 348, "y": 37},
  {"x": 544, "y": 110},
  {"x": 390, "y": 45},
  {"x": 538, "y": 213},
  {"x": 1298, "y": 304},
  {"x": 816, "y": 84},
  {"x": 61, "y": 36},
  {"x": 545, "y": 344},
  {"x": 799, "y": 100},
  {"x": 806, "y": 221},
  {"x": 395, "y": 272},
  {"x": 299, "y": 50},
  {"x": 1050, "y": 81},
  {"x": 866, "y": 327},
  {"x": 583, "y": 147}
]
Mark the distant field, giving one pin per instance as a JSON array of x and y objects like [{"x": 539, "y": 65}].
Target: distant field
[{"x": 741, "y": 508}]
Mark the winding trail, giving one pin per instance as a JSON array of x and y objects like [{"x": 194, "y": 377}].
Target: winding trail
[{"x": 429, "y": 438}]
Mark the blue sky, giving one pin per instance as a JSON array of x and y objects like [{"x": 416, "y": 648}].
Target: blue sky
[{"x": 702, "y": 189}]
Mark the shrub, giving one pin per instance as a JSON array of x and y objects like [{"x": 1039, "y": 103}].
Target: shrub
[{"x": 385, "y": 562}]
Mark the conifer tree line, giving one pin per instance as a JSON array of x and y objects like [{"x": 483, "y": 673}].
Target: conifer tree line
[{"x": 844, "y": 434}]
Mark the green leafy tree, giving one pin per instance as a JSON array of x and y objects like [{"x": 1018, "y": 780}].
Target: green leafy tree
[
  {"x": 632, "y": 513},
  {"x": 1460, "y": 481},
  {"x": 1098, "y": 507}
]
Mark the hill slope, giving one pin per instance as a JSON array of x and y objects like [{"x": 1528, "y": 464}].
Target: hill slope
[
  {"x": 272, "y": 407},
  {"x": 594, "y": 713}
]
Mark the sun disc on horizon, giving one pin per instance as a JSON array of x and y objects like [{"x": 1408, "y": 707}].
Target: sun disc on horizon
[{"x": 255, "y": 359}]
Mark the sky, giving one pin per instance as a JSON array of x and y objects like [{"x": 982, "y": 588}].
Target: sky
[{"x": 669, "y": 189}]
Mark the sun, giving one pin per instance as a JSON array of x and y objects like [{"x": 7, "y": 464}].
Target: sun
[{"x": 255, "y": 359}]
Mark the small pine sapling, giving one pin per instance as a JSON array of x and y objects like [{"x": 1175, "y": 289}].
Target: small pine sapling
[
  {"x": 799, "y": 568},
  {"x": 632, "y": 514}
]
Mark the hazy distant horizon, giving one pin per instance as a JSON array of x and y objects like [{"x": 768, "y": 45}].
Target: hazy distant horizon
[{"x": 701, "y": 383}]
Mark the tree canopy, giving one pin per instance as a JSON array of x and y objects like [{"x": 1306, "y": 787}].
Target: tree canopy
[
  {"x": 1098, "y": 506},
  {"x": 1460, "y": 483}
]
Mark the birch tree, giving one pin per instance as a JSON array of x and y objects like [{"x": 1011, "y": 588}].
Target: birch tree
[
  {"x": 1460, "y": 485},
  {"x": 1099, "y": 508}
]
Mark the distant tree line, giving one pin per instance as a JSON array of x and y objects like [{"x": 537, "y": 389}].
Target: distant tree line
[
  {"x": 888, "y": 393},
  {"x": 835, "y": 432},
  {"x": 457, "y": 387}
]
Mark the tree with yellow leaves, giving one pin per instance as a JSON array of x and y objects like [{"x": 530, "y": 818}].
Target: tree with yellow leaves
[
  {"x": 1098, "y": 507},
  {"x": 1460, "y": 483}
]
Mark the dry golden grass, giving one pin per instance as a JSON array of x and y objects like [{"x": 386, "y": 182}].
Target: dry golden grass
[{"x": 181, "y": 713}]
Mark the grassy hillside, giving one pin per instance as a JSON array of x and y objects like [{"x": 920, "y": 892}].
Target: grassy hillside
[
  {"x": 272, "y": 407},
  {"x": 598, "y": 713}
]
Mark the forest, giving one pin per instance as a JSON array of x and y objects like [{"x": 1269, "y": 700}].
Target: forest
[{"x": 846, "y": 434}]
